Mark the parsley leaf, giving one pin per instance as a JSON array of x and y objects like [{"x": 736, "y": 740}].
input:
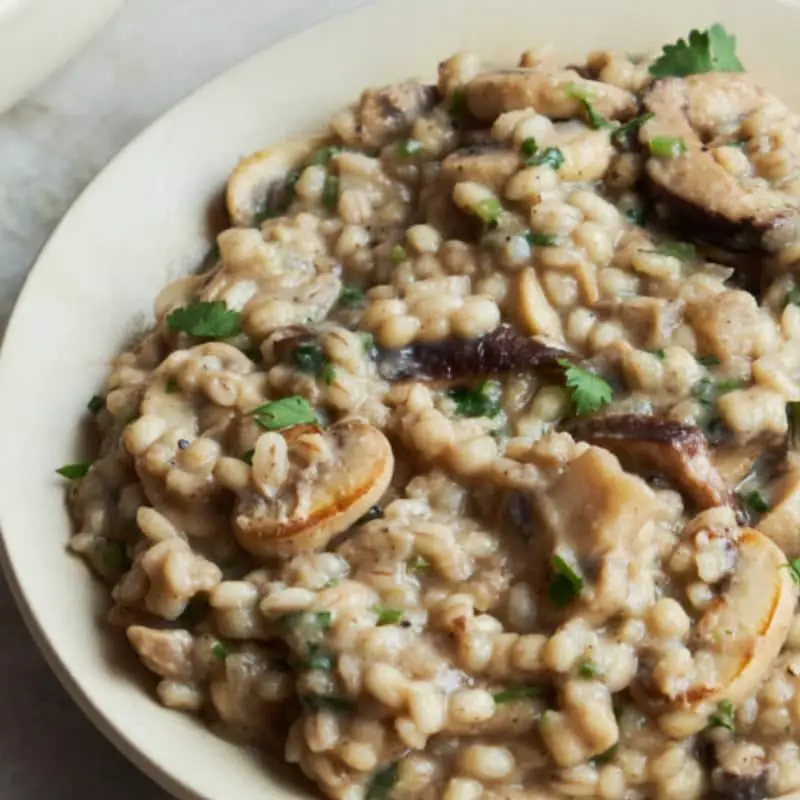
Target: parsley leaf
[
  {"x": 319, "y": 620},
  {"x": 74, "y": 471},
  {"x": 517, "y": 693},
  {"x": 308, "y": 358},
  {"x": 398, "y": 254},
  {"x": 330, "y": 192},
  {"x": 418, "y": 564},
  {"x": 708, "y": 361},
  {"x": 550, "y": 156},
  {"x": 713, "y": 50},
  {"x": 683, "y": 251},
  {"x": 528, "y": 147},
  {"x": 792, "y": 297},
  {"x": 367, "y": 342},
  {"x": 580, "y": 93},
  {"x": 480, "y": 401},
  {"x": 589, "y": 391},
  {"x": 622, "y": 137},
  {"x": 540, "y": 239},
  {"x": 96, "y": 404},
  {"x": 350, "y": 296},
  {"x": 706, "y": 391},
  {"x": 793, "y": 565},
  {"x": 220, "y": 651},
  {"x": 489, "y": 210},
  {"x": 284, "y": 413},
  {"x": 388, "y": 616},
  {"x": 381, "y": 783},
  {"x": 588, "y": 670},
  {"x": 409, "y": 147},
  {"x": 566, "y": 584},
  {"x": 206, "y": 320},
  {"x": 318, "y": 659},
  {"x": 666, "y": 147},
  {"x": 322, "y": 156},
  {"x": 755, "y": 501},
  {"x": 723, "y": 717}
]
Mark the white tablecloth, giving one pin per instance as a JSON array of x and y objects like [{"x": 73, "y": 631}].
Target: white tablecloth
[{"x": 51, "y": 145}]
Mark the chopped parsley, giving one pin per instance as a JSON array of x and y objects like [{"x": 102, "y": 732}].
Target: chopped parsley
[
  {"x": 683, "y": 251},
  {"x": 247, "y": 457},
  {"x": 212, "y": 320},
  {"x": 418, "y": 564},
  {"x": 584, "y": 96},
  {"x": 171, "y": 386},
  {"x": 398, "y": 254},
  {"x": 517, "y": 693},
  {"x": 706, "y": 391},
  {"x": 636, "y": 216},
  {"x": 96, "y": 404},
  {"x": 308, "y": 358},
  {"x": 220, "y": 651},
  {"x": 540, "y": 239},
  {"x": 660, "y": 353},
  {"x": 284, "y": 413},
  {"x": 793, "y": 421},
  {"x": 409, "y": 147},
  {"x": 708, "y": 361},
  {"x": 755, "y": 501},
  {"x": 381, "y": 783},
  {"x": 321, "y": 620},
  {"x": 367, "y": 342},
  {"x": 388, "y": 616},
  {"x": 350, "y": 296},
  {"x": 605, "y": 756},
  {"x": 589, "y": 391},
  {"x": 480, "y": 401},
  {"x": 330, "y": 192},
  {"x": 723, "y": 717},
  {"x": 793, "y": 565},
  {"x": 327, "y": 374},
  {"x": 74, "y": 471},
  {"x": 319, "y": 702},
  {"x": 712, "y": 50},
  {"x": 550, "y": 157},
  {"x": 318, "y": 659},
  {"x": 566, "y": 584},
  {"x": 489, "y": 210},
  {"x": 528, "y": 147},
  {"x": 622, "y": 137},
  {"x": 588, "y": 670},
  {"x": 666, "y": 147}
]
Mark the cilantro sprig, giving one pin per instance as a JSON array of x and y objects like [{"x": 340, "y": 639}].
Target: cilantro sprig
[
  {"x": 589, "y": 391},
  {"x": 284, "y": 413},
  {"x": 712, "y": 50},
  {"x": 212, "y": 320}
]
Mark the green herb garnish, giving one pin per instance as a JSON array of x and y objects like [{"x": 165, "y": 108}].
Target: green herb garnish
[
  {"x": 367, "y": 342},
  {"x": 708, "y": 361},
  {"x": 589, "y": 391},
  {"x": 381, "y": 783},
  {"x": 666, "y": 147},
  {"x": 622, "y": 136},
  {"x": 220, "y": 651},
  {"x": 528, "y": 147},
  {"x": 285, "y": 413},
  {"x": 660, "y": 353},
  {"x": 350, "y": 296},
  {"x": 206, "y": 320},
  {"x": 706, "y": 391},
  {"x": 313, "y": 619},
  {"x": 713, "y": 50},
  {"x": 324, "y": 155},
  {"x": 540, "y": 239},
  {"x": 588, "y": 670},
  {"x": 793, "y": 565},
  {"x": 172, "y": 386},
  {"x": 74, "y": 471},
  {"x": 320, "y": 702},
  {"x": 723, "y": 717},
  {"x": 96, "y": 404},
  {"x": 566, "y": 584},
  {"x": 318, "y": 659},
  {"x": 388, "y": 616},
  {"x": 605, "y": 756},
  {"x": 755, "y": 501},
  {"x": 418, "y": 564},
  {"x": 330, "y": 192},
  {"x": 584, "y": 96},
  {"x": 480, "y": 401},
  {"x": 308, "y": 358},
  {"x": 247, "y": 457},
  {"x": 409, "y": 147},
  {"x": 517, "y": 693},
  {"x": 792, "y": 297},
  {"x": 489, "y": 210},
  {"x": 398, "y": 254},
  {"x": 550, "y": 156},
  {"x": 683, "y": 251},
  {"x": 636, "y": 216},
  {"x": 327, "y": 374}
]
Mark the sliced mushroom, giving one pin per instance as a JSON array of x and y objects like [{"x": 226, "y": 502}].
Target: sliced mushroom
[
  {"x": 736, "y": 640},
  {"x": 261, "y": 177},
  {"x": 390, "y": 111},
  {"x": 651, "y": 444},
  {"x": 695, "y": 192},
  {"x": 554, "y": 94},
  {"x": 314, "y": 504},
  {"x": 505, "y": 349},
  {"x": 489, "y": 166}
]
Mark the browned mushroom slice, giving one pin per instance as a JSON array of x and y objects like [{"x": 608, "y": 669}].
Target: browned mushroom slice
[
  {"x": 390, "y": 111},
  {"x": 311, "y": 504},
  {"x": 651, "y": 444},
  {"x": 505, "y": 349},
  {"x": 490, "y": 166},
  {"x": 554, "y": 94},
  {"x": 259, "y": 181},
  {"x": 693, "y": 191}
]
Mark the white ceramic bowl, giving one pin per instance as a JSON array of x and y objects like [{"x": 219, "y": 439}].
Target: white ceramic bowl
[
  {"x": 143, "y": 221},
  {"x": 38, "y": 36}
]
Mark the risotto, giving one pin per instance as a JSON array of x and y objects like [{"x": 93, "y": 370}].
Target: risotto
[{"x": 468, "y": 469}]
